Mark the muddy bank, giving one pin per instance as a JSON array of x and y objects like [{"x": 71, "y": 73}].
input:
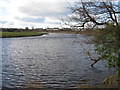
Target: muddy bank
[{"x": 111, "y": 81}]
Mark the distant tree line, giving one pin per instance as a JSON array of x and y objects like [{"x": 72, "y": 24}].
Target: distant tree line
[{"x": 37, "y": 29}]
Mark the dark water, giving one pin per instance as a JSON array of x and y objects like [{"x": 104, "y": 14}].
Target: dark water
[{"x": 49, "y": 61}]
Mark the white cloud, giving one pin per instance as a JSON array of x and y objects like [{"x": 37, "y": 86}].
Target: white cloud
[
  {"x": 51, "y": 20},
  {"x": 38, "y": 8},
  {"x": 50, "y": 10}
]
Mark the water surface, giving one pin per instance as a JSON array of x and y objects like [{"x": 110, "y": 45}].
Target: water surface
[{"x": 49, "y": 61}]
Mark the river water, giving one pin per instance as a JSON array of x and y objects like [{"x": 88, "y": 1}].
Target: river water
[{"x": 49, "y": 61}]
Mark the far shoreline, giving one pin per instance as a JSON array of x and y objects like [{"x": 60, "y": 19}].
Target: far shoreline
[
  {"x": 20, "y": 34},
  {"x": 14, "y": 34}
]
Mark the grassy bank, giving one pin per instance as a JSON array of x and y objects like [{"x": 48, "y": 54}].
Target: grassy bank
[
  {"x": 20, "y": 34},
  {"x": 26, "y": 34}
]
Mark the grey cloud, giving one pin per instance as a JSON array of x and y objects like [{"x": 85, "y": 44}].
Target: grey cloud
[
  {"x": 3, "y": 22},
  {"x": 55, "y": 23},
  {"x": 44, "y": 9},
  {"x": 30, "y": 19},
  {"x": 11, "y": 23}
]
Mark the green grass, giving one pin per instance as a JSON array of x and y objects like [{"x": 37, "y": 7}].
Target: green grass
[{"x": 20, "y": 34}]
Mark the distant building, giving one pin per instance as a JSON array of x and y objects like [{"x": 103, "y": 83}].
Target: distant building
[
  {"x": 55, "y": 29},
  {"x": 49, "y": 29},
  {"x": 39, "y": 29}
]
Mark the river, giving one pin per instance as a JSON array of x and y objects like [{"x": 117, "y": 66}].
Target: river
[{"x": 49, "y": 61}]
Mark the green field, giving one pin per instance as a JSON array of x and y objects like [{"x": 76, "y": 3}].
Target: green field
[{"x": 20, "y": 34}]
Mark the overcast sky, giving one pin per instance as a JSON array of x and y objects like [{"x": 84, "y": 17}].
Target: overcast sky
[
  {"x": 37, "y": 13},
  {"x": 29, "y": 13}
]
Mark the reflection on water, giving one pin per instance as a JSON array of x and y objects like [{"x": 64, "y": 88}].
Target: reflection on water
[{"x": 49, "y": 61}]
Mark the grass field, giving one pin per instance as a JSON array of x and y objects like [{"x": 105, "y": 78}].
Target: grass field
[{"x": 20, "y": 34}]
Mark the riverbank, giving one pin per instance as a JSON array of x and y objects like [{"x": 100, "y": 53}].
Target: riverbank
[
  {"x": 20, "y": 34},
  {"x": 27, "y": 34},
  {"x": 85, "y": 32},
  {"x": 109, "y": 82},
  {"x": 93, "y": 32}
]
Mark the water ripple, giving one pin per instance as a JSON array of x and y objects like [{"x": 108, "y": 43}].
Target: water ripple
[{"x": 49, "y": 61}]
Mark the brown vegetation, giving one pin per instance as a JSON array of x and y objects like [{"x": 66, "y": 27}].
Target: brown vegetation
[{"x": 109, "y": 82}]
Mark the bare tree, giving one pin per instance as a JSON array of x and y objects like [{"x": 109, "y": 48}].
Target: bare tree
[{"x": 95, "y": 13}]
